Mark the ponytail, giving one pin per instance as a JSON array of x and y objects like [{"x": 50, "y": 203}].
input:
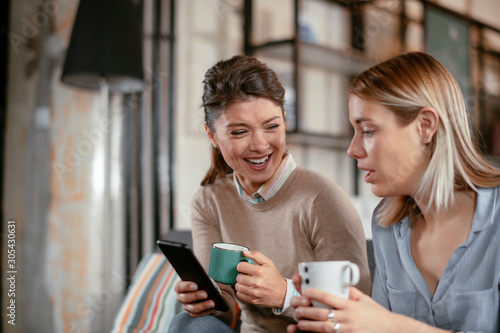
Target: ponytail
[{"x": 218, "y": 168}]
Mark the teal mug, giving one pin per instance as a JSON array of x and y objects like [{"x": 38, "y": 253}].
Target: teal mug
[{"x": 224, "y": 257}]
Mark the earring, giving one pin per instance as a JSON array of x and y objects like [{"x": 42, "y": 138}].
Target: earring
[
  {"x": 214, "y": 145},
  {"x": 425, "y": 140}
]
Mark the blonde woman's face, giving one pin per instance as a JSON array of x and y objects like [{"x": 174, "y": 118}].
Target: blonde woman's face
[
  {"x": 251, "y": 138},
  {"x": 391, "y": 154}
]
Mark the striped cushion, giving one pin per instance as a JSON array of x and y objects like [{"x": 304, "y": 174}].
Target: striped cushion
[{"x": 150, "y": 303}]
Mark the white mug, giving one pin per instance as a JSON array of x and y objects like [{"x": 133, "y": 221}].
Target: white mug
[{"x": 334, "y": 277}]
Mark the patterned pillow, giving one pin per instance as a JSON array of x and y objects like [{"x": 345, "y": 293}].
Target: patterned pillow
[{"x": 150, "y": 303}]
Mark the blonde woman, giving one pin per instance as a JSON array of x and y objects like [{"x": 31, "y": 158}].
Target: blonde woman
[{"x": 437, "y": 232}]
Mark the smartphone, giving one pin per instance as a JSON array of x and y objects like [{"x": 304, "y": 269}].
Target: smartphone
[{"x": 189, "y": 269}]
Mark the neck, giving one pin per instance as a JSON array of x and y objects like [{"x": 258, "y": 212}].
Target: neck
[{"x": 464, "y": 205}]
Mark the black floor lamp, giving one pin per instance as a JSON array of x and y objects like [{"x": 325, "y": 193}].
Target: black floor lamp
[{"x": 105, "y": 47}]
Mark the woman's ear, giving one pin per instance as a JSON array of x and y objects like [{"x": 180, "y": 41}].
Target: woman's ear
[
  {"x": 210, "y": 135},
  {"x": 428, "y": 124}
]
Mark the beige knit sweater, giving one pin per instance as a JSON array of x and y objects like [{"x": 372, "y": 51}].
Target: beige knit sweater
[{"x": 309, "y": 219}]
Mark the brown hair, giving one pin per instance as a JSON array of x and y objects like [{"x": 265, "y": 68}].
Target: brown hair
[
  {"x": 405, "y": 84},
  {"x": 238, "y": 79}
]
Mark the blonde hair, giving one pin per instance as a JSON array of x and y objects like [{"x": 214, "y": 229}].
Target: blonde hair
[{"x": 406, "y": 84}]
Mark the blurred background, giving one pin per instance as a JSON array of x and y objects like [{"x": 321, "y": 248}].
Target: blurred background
[{"x": 102, "y": 141}]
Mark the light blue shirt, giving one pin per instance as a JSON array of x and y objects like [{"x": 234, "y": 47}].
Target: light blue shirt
[{"x": 467, "y": 296}]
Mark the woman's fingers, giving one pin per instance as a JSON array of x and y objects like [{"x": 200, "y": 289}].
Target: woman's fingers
[
  {"x": 328, "y": 299},
  {"x": 311, "y": 313},
  {"x": 200, "y": 309},
  {"x": 258, "y": 257},
  {"x": 313, "y": 319},
  {"x": 355, "y": 294},
  {"x": 316, "y": 326},
  {"x": 192, "y": 297},
  {"x": 300, "y": 301},
  {"x": 297, "y": 282},
  {"x": 260, "y": 283},
  {"x": 193, "y": 300},
  {"x": 185, "y": 286}
]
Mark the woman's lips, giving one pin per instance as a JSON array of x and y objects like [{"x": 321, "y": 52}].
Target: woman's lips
[
  {"x": 369, "y": 176},
  {"x": 258, "y": 163}
]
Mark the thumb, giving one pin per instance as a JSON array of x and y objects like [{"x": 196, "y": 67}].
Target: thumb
[
  {"x": 297, "y": 282},
  {"x": 258, "y": 257},
  {"x": 355, "y": 294}
]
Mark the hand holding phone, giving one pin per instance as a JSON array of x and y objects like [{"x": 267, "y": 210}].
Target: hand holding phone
[{"x": 189, "y": 269}]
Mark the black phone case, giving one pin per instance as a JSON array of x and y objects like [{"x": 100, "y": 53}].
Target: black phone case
[{"x": 189, "y": 269}]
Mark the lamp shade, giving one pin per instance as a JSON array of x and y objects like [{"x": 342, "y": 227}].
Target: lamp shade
[{"x": 105, "y": 44}]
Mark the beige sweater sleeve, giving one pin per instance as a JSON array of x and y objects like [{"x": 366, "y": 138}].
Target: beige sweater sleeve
[
  {"x": 205, "y": 233},
  {"x": 337, "y": 232}
]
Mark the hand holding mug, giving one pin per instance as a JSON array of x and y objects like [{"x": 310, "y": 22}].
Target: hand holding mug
[
  {"x": 254, "y": 276},
  {"x": 358, "y": 313},
  {"x": 261, "y": 284},
  {"x": 355, "y": 312}
]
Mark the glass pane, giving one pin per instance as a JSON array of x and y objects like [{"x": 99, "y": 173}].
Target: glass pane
[
  {"x": 272, "y": 20},
  {"x": 380, "y": 33},
  {"x": 324, "y": 106},
  {"x": 324, "y": 23}
]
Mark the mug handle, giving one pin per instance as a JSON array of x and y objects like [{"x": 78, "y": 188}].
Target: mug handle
[
  {"x": 249, "y": 260},
  {"x": 351, "y": 276}
]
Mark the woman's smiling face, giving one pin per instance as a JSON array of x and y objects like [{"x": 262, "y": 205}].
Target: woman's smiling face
[
  {"x": 251, "y": 138},
  {"x": 390, "y": 153}
]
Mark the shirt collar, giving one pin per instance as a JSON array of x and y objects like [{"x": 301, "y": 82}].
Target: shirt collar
[
  {"x": 486, "y": 205},
  {"x": 270, "y": 187}
]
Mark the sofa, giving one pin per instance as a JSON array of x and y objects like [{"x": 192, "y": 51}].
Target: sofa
[{"x": 150, "y": 302}]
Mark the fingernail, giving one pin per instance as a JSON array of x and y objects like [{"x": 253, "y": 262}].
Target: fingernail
[
  {"x": 303, "y": 301},
  {"x": 211, "y": 304},
  {"x": 193, "y": 287},
  {"x": 247, "y": 252}
]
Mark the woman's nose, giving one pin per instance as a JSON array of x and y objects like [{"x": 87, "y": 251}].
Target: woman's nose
[
  {"x": 355, "y": 150},
  {"x": 259, "y": 142}
]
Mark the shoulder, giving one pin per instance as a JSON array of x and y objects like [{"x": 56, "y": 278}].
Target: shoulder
[
  {"x": 318, "y": 190},
  {"x": 488, "y": 207},
  {"x": 309, "y": 179},
  {"x": 322, "y": 195},
  {"x": 219, "y": 188}
]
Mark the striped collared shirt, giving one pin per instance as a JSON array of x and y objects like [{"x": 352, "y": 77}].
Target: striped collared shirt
[{"x": 270, "y": 187}]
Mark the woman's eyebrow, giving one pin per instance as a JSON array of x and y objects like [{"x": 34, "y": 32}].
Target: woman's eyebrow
[
  {"x": 360, "y": 120},
  {"x": 245, "y": 124},
  {"x": 271, "y": 119},
  {"x": 236, "y": 124}
]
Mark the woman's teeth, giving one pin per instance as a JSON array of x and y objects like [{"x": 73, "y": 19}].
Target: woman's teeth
[{"x": 259, "y": 161}]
